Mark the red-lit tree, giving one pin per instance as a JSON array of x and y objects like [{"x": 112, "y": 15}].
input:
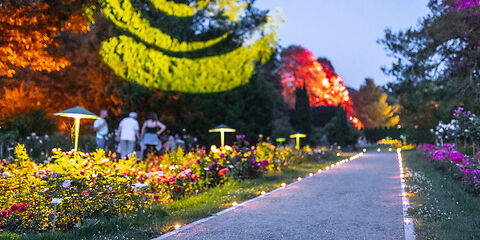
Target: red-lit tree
[{"x": 299, "y": 68}]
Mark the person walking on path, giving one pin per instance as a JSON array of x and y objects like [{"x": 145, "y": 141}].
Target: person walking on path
[
  {"x": 128, "y": 133},
  {"x": 101, "y": 127},
  {"x": 151, "y": 128}
]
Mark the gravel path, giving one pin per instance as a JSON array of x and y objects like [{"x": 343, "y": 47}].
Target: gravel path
[{"x": 359, "y": 200}]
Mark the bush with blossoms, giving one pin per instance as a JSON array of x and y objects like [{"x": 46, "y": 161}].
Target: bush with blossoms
[
  {"x": 464, "y": 125},
  {"x": 96, "y": 185},
  {"x": 459, "y": 165}
]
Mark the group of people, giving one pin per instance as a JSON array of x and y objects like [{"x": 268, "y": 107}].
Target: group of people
[{"x": 129, "y": 132}]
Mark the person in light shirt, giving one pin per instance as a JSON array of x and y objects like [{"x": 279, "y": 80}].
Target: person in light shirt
[
  {"x": 128, "y": 133},
  {"x": 101, "y": 127}
]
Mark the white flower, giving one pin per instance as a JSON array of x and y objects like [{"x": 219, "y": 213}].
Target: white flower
[
  {"x": 188, "y": 170},
  {"x": 183, "y": 174},
  {"x": 139, "y": 185},
  {"x": 148, "y": 175},
  {"x": 160, "y": 173},
  {"x": 66, "y": 183}
]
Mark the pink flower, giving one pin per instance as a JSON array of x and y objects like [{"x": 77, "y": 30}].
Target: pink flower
[
  {"x": 456, "y": 156},
  {"x": 264, "y": 163},
  {"x": 66, "y": 183},
  {"x": 41, "y": 172}
]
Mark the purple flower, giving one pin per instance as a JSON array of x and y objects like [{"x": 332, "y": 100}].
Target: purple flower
[
  {"x": 240, "y": 137},
  {"x": 54, "y": 175},
  {"x": 458, "y": 111},
  {"x": 6, "y": 174},
  {"x": 222, "y": 155},
  {"x": 246, "y": 143},
  {"x": 264, "y": 163},
  {"x": 440, "y": 155},
  {"x": 253, "y": 161}
]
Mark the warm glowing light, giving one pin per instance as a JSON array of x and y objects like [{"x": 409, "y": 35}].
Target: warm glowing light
[
  {"x": 177, "y": 226},
  {"x": 263, "y": 193},
  {"x": 234, "y": 204},
  {"x": 390, "y": 149},
  {"x": 364, "y": 150},
  {"x": 327, "y": 168},
  {"x": 299, "y": 179},
  {"x": 378, "y": 149},
  {"x": 407, "y": 221},
  {"x": 297, "y": 137},
  {"x": 222, "y": 129},
  {"x": 283, "y": 185},
  {"x": 319, "y": 170},
  {"x": 338, "y": 154},
  {"x": 311, "y": 174}
]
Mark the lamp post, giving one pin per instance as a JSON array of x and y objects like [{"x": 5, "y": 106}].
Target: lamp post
[
  {"x": 297, "y": 136},
  {"x": 222, "y": 129},
  {"x": 77, "y": 113}
]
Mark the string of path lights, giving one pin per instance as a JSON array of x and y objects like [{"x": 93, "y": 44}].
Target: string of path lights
[
  {"x": 408, "y": 226},
  {"x": 179, "y": 228}
]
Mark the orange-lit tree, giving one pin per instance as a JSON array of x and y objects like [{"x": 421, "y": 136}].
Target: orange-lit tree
[{"x": 29, "y": 30}]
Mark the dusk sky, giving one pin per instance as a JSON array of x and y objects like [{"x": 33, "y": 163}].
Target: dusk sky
[{"x": 346, "y": 31}]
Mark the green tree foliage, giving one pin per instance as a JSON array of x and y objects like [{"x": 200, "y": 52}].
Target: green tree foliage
[
  {"x": 371, "y": 107},
  {"x": 436, "y": 63},
  {"x": 164, "y": 51},
  {"x": 340, "y": 130},
  {"x": 302, "y": 117}
]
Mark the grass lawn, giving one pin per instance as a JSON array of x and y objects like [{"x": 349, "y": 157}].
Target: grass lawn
[
  {"x": 152, "y": 222},
  {"x": 442, "y": 209}
]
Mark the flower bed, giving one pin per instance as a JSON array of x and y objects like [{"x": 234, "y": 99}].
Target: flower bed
[
  {"x": 96, "y": 185},
  {"x": 459, "y": 165}
]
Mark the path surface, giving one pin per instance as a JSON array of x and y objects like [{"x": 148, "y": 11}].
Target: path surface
[{"x": 359, "y": 200}]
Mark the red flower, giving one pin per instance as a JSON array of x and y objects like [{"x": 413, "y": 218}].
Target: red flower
[
  {"x": 156, "y": 197},
  {"x": 22, "y": 208},
  {"x": 194, "y": 177},
  {"x": 223, "y": 171},
  {"x": 4, "y": 213},
  {"x": 14, "y": 208},
  {"x": 179, "y": 188}
]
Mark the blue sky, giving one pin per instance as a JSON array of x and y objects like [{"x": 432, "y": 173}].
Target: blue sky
[{"x": 346, "y": 31}]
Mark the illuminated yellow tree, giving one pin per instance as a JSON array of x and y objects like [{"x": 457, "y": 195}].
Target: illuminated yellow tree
[{"x": 153, "y": 58}]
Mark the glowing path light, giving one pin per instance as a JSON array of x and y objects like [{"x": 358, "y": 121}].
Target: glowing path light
[
  {"x": 222, "y": 129},
  {"x": 77, "y": 113},
  {"x": 407, "y": 221},
  {"x": 297, "y": 136}
]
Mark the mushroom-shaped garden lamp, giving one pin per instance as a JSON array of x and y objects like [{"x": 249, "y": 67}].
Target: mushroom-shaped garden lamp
[
  {"x": 222, "y": 129},
  {"x": 77, "y": 113},
  {"x": 297, "y": 136}
]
